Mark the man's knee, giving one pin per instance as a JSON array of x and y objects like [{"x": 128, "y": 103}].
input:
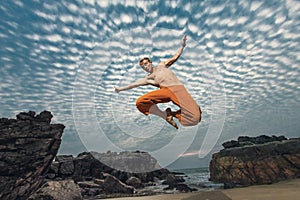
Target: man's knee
[
  {"x": 143, "y": 105},
  {"x": 140, "y": 101}
]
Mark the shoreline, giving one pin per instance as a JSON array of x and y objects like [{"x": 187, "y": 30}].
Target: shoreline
[{"x": 288, "y": 189}]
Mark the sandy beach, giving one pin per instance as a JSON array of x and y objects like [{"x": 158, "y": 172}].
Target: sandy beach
[{"x": 278, "y": 191}]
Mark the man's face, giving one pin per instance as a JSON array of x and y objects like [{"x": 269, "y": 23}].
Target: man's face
[{"x": 146, "y": 65}]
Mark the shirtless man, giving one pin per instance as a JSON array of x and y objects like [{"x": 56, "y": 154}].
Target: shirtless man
[{"x": 171, "y": 89}]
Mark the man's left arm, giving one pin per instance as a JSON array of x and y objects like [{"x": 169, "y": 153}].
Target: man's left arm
[{"x": 170, "y": 61}]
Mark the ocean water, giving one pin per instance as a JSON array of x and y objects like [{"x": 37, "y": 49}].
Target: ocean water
[
  {"x": 198, "y": 178},
  {"x": 241, "y": 64}
]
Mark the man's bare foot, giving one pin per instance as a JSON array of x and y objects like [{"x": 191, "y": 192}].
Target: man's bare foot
[{"x": 169, "y": 118}]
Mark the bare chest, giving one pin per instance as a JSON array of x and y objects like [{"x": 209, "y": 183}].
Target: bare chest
[{"x": 162, "y": 76}]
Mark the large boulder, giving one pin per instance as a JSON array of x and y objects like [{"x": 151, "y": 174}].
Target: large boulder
[
  {"x": 28, "y": 145},
  {"x": 113, "y": 185},
  {"x": 267, "y": 160}
]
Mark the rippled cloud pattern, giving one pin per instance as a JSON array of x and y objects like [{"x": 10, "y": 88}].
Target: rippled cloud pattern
[{"x": 53, "y": 52}]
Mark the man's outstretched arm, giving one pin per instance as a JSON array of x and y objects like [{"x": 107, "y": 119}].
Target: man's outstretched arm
[
  {"x": 169, "y": 62},
  {"x": 138, "y": 83}
]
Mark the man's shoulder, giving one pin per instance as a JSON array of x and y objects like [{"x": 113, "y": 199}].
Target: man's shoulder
[{"x": 162, "y": 64}]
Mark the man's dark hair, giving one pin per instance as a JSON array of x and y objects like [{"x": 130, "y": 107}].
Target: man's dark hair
[{"x": 145, "y": 58}]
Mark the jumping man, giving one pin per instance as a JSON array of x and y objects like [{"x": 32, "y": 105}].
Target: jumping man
[{"x": 171, "y": 89}]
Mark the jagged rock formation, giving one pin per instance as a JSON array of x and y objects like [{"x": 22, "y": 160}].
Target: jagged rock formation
[
  {"x": 28, "y": 145},
  {"x": 257, "y": 160}
]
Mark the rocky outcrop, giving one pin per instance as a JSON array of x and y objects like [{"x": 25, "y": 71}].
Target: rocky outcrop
[
  {"x": 99, "y": 180},
  {"x": 28, "y": 170},
  {"x": 135, "y": 162},
  {"x": 28, "y": 145},
  {"x": 256, "y": 160},
  {"x": 245, "y": 140}
]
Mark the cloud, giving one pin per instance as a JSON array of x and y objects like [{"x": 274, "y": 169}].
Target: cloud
[{"x": 84, "y": 50}]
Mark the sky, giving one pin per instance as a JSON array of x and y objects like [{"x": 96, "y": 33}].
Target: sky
[{"x": 241, "y": 65}]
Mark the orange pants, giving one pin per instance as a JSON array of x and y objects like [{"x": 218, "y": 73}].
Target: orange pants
[{"x": 189, "y": 113}]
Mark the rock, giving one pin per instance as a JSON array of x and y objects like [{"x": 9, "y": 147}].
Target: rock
[
  {"x": 246, "y": 140},
  {"x": 134, "y": 162},
  {"x": 122, "y": 176},
  {"x": 160, "y": 174},
  {"x": 134, "y": 182},
  {"x": 26, "y": 115},
  {"x": 173, "y": 180},
  {"x": 229, "y": 185},
  {"x": 91, "y": 188},
  {"x": 231, "y": 144},
  {"x": 99, "y": 181},
  {"x": 53, "y": 170},
  {"x": 269, "y": 160},
  {"x": 91, "y": 192},
  {"x": 88, "y": 184},
  {"x": 87, "y": 167},
  {"x": 44, "y": 116},
  {"x": 27, "y": 147},
  {"x": 66, "y": 165},
  {"x": 112, "y": 185},
  {"x": 92, "y": 175},
  {"x": 176, "y": 182},
  {"x": 184, "y": 188},
  {"x": 180, "y": 187},
  {"x": 58, "y": 190}
]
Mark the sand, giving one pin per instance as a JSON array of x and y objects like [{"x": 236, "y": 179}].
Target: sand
[{"x": 289, "y": 189}]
